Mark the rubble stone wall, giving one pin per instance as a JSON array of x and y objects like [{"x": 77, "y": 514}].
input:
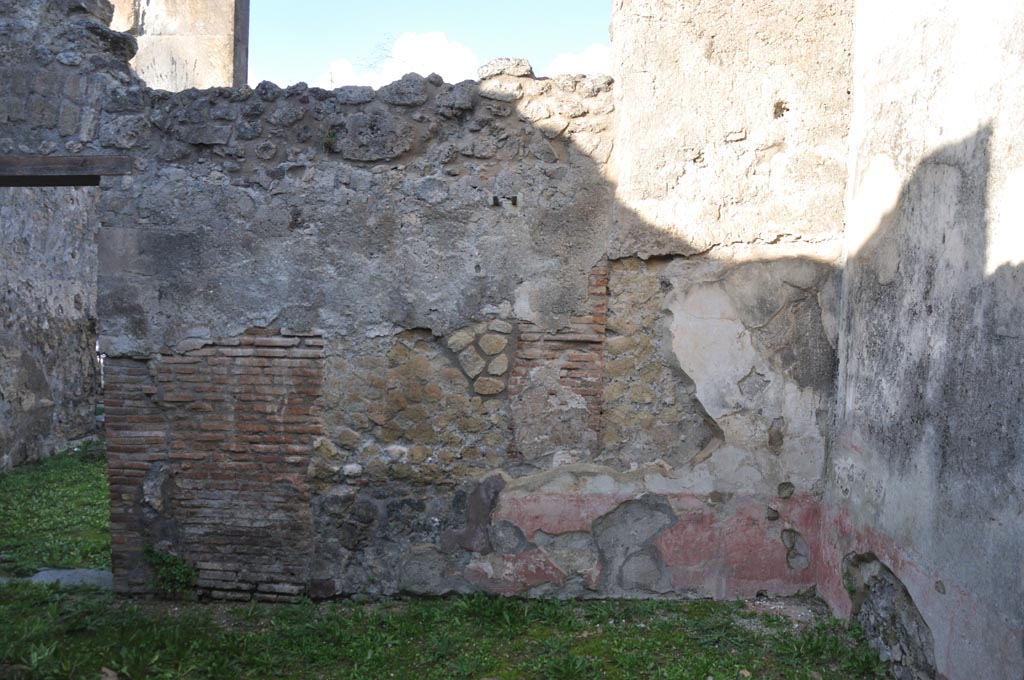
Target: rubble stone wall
[
  {"x": 49, "y": 374},
  {"x": 57, "y": 61},
  {"x": 569, "y": 336}
]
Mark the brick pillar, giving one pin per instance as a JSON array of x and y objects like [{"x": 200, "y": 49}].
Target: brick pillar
[
  {"x": 223, "y": 482},
  {"x": 136, "y": 433}
]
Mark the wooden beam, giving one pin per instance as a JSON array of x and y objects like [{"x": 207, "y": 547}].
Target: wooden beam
[{"x": 64, "y": 166}]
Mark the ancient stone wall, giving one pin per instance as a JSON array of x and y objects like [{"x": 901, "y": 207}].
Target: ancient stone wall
[
  {"x": 208, "y": 454},
  {"x": 451, "y": 245},
  {"x": 57, "y": 60},
  {"x": 567, "y": 336},
  {"x": 49, "y": 374},
  {"x": 446, "y": 241},
  {"x": 512, "y": 399},
  {"x": 926, "y": 474}
]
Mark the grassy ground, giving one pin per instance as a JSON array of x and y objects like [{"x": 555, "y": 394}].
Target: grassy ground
[
  {"x": 50, "y": 633},
  {"x": 55, "y": 514}
]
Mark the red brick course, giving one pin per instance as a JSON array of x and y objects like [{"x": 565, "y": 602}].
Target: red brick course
[
  {"x": 578, "y": 349},
  {"x": 234, "y": 423}
]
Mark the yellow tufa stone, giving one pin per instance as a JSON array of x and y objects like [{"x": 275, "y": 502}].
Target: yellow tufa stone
[
  {"x": 498, "y": 365},
  {"x": 489, "y": 385},
  {"x": 492, "y": 343},
  {"x": 461, "y": 339}
]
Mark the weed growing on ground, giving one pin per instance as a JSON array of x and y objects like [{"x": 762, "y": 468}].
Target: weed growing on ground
[
  {"x": 51, "y": 633},
  {"x": 173, "y": 577},
  {"x": 54, "y": 513}
]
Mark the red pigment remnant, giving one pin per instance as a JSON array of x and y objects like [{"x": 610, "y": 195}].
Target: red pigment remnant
[
  {"x": 555, "y": 513},
  {"x": 839, "y": 537},
  {"x": 513, "y": 574},
  {"x": 739, "y": 552}
]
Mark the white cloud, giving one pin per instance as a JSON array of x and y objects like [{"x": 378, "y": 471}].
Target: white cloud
[
  {"x": 422, "y": 53},
  {"x": 594, "y": 60}
]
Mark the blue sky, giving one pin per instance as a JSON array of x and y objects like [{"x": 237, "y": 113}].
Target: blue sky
[{"x": 375, "y": 41}]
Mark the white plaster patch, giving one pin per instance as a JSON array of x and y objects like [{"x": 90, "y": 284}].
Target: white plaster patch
[
  {"x": 875, "y": 196},
  {"x": 1006, "y": 235}
]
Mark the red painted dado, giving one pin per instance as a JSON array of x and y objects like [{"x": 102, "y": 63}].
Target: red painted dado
[
  {"x": 724, "y": 550},
  {"x": 513, "y": 574},
  {"x": 735, "y": 550},
  {"x": 555, "y": 513}
]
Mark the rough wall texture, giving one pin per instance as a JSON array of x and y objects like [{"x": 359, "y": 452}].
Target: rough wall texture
[
  {"x": 732, "y": 122},
  {"x": 56, "y": 61},
  {"x": 59, "y": 60},
  {"x": 441, "y": 238},
  {"x": 725, "y": 246},
  {"x": 49, "y": 375},
  {"x": 208, "y": 453},
  {"x": 450, "y": 244},
  {"x": 183, "y": 44},
  {"x": 455, "y": 248},
  {"x": 927, "y": 471},
  {"x": 417, "y": 340}
]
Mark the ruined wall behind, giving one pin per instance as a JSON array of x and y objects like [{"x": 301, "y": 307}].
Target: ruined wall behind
[
  {"x": 191, "y": 43},
  {"x": 443, "y": 239},
  {"x": 732, "y": 123},
  {"x": 511, "y": 399},
  {"x": 926, "y": 473},
  {"x": 49, "y": 376},
  {"x": 57, "y": 60}
]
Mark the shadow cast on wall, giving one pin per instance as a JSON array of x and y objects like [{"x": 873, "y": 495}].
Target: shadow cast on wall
[
  {"x": 344, "y": 360},
  {"x": 925, "y": 466}
]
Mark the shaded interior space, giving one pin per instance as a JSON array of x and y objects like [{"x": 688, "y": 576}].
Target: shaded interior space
[{"x": 741, "y": 318}]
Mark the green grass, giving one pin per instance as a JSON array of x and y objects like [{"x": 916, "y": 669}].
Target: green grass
[
  {"x": 51, "y": 633},
  {"x": 54, "y": 514}
]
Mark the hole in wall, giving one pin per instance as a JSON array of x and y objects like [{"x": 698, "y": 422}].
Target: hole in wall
[
  {"x": 892, "y": 623},
  {"x": 781, "y": 109}
]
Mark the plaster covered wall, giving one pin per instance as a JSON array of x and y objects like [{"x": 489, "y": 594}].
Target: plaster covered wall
[
  {"x": 190, "y": 43},
  {"x": 926, "y": 472},
  {"x": 726, "y": 244},
  {"x": 732, "y": 123}
]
